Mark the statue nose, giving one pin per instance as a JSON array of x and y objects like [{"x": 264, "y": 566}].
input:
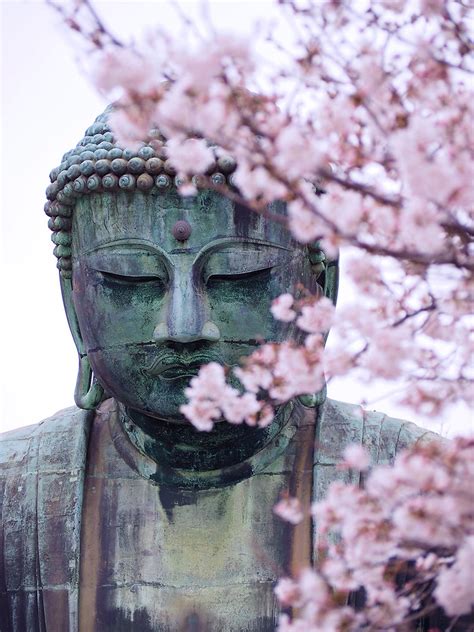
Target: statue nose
[
  {"x": 209, "y": 332},
  {"x": 186, "y": 317}
]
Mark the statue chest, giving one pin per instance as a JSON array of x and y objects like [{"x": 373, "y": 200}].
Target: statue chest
[{"x": 164, "y": 558}]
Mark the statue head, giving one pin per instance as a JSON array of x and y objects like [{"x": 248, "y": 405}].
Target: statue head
[{"x": 156, "y": 284}]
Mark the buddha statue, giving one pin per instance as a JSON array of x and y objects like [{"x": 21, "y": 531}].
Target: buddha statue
[{"x": 117, "y": 514}]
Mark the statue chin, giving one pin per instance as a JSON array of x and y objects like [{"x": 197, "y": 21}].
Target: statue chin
[
  {"x": 131, "y": 376},
  {"x": 157, "y": 403}
]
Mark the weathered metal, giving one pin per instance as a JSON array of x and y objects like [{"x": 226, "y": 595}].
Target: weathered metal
[
  {"x": 127, "y": 518},
  {"x": 84, "y": 523}
]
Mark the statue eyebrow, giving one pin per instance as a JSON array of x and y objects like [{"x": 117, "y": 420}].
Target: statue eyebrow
[
  {"x": 219, "y": 244},
  {"x": 216, "y": 245},
  {"x": 131, "y": 243}
]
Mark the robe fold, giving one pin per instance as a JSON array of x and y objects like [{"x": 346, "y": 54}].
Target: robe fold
[{"x": 44, "y": 474}]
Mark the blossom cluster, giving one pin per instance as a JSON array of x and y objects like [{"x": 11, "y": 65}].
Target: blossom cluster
[
  {"x": 211, "y": 398},
  {"x": 371, "y": 102},
  {"x": 272, "y": 375},
  {"x": 404, "y": 540}
]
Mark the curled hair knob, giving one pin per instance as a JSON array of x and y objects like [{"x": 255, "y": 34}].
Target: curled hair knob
[{"x": 182, "y": 230}]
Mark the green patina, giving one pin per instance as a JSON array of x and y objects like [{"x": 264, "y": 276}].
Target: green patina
[
  {"x": 137, "y": 291},
  {"x": 125, "y": 517}
]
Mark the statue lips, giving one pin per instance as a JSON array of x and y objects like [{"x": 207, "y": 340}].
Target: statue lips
[
  {"x": 173, "y": 366},
  {"x": 178, "y": 371}
]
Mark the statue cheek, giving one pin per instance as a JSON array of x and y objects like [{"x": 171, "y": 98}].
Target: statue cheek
[
  {"x": 111, "y": 314},
  {"x": 241, "y": 308},
  {"x": 122, "y": 371}
]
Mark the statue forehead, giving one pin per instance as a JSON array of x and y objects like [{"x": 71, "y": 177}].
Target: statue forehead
[{"x": 108, "y": 217}]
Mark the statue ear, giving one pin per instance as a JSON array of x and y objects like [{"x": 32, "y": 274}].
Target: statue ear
[
  {"x": 327, "y": 271},
  {"x": 331, "y": 279},
  {"x": 88, "y": 392},
  {"x": 66, "y": 292}
]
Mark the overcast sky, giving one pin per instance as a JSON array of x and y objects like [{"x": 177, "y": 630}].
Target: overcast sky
[{"x": 46, "y": 106}]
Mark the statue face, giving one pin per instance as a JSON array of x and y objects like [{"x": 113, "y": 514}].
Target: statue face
[{"x": 153, "y": 309}]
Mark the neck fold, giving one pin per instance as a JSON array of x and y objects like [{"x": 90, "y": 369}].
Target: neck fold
[{"x": 186, "y": 457}]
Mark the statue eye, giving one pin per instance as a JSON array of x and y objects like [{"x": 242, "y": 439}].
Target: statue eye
[
  {"x": 128, "y": 279},
  {"x": 250, "y": 274},
  {"x": 243, "y": 261},
  {"x": 128, "y": 266}
]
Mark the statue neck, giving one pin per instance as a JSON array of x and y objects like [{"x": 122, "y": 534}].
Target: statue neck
[{"x": 187, "y": 457}]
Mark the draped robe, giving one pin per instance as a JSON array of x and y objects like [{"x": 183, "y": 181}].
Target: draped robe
[{"x": 89, "y": 541}]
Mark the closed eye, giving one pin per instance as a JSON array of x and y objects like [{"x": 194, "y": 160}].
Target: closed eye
[
  {"x": 122, "y": 278},
  {"x": 236, "y": 276}
]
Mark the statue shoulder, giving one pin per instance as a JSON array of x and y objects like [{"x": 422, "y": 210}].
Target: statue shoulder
[
  {"x": 41, "y": 483},
  {"x": 51, "y": 437},
  {"x": 341, "y": 424}
]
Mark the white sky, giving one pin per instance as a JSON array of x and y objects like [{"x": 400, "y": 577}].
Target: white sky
[{"x": 46, "y": 104}]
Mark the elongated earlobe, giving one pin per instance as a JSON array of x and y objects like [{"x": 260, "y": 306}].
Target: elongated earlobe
[
  {"x": 326, "y": 271},
  {"x": 88, "y": 392},
  {"x": 312, "y": 400}
]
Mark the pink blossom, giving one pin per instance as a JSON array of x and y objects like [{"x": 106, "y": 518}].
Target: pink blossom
[
  {"x": 130, "y": 125},
  {"x": 254, "y": 377},
  {"x": 304, "y": 224},
  {"x": 317, "y": 317},
  {"x": 296, "y": 156},
  {"x": 237, "y": 408},
  {"x": 266, "y": 416},
  {"x": 356, "y": 457},
  {"x": 266, "y": 354},
  {"x": 427, "y": 563},
  {"x": 347, "y": 208},
  {"x": 211, "y": 378},
  {"x": 455, "y": 585},
  {"x": 364, "y": 272},
  {"x": 432, "y": 6},
  {"x": 428, "y": 519},
  {"x": 281, "y": 308},
  {"x": 337, "y": 361},
  {"x": 191, "y": 156},
  {"x": 371, "y": 76},
  {"x": 296, "y": 372},
  {"x": 387, "y": 351},
  {"x": 187, "y": 189},
  {"x": 289, "y": 509},
  {"x": 205, "y": 393},
  {"x": 314, "y": 343},
  {"x": 287, "y": 591},
  {"x": 338, "y": 574},
  {"x": 117, "y": 66},
  {"x": 313, "y": 587},
  {"x": 201, "y": 414},
  {"x": 258, "y": 183}
]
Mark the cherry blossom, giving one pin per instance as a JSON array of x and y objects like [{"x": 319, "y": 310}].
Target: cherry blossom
[
  {"x": 454, "y": 587},
  {"x": 192, "y": 156},
  {"x": 362, "y": 124},
  {"x": 290, "y": 510},
  {"x": 124, "y": 68},
  {"x": 303, "y": 223},
  {"x": 281, "y": 308},
  {"x": 416, "y": 514},
  {"x": 377, "y": 114},
  {"x": 316, "y": 317},
  {"x": 356, "y": 457}
]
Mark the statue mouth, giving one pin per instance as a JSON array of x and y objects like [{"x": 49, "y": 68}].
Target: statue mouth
[
  {"x": 168, "y": 367},
  {"x": 178, "y": 371}
]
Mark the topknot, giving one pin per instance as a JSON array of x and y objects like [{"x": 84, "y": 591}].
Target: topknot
[{"x": 98, "y": 164}]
